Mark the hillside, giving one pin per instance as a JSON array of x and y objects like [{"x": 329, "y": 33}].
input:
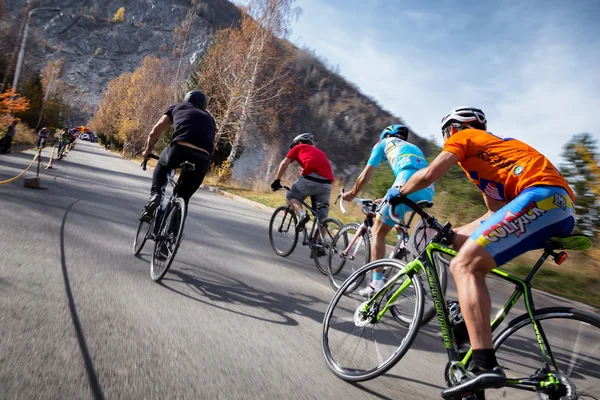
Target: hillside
[{"x": 96, "y": 49}]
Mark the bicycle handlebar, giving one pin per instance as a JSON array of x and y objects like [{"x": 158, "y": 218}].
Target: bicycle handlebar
[{"x": 143, "y": 164}]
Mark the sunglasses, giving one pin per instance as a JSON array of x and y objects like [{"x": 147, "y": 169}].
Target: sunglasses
[{"x": 446, "y": 132}]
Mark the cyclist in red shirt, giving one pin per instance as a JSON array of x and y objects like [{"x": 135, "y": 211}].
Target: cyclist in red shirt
[{"x": 315, "y": 181}]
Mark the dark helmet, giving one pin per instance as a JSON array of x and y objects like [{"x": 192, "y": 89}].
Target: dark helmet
[
  {"x": 197, "y": 98},
  {"x": 398, "y": 130}
]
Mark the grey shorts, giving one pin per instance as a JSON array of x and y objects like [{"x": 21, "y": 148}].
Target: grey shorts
[{"x": 318, "y": 192}]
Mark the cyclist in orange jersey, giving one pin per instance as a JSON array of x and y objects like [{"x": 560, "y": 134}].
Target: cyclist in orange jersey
[{"x": 528, "y": 202}]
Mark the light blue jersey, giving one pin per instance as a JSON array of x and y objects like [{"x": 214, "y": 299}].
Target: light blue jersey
[
  {"x": 401, "y": 157},
  {"x": 404, "y": 159}
]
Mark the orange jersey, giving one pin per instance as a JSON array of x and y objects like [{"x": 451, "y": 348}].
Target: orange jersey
[{"x": 502, "y": 167}]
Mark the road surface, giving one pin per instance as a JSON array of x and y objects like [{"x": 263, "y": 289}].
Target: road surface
[{"x": 80, "y": 317}]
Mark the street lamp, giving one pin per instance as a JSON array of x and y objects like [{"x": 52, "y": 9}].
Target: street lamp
[{"x": 24, "y": 40}]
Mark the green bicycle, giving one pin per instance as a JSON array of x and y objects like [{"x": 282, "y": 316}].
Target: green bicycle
[{"x": 559, "y": 367}]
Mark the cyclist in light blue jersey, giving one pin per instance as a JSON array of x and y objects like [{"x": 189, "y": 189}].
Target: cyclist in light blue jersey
[{"x": 404, "y": 159}]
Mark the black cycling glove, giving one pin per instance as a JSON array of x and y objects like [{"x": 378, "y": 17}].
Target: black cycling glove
[{"x": 276, "y": 185}]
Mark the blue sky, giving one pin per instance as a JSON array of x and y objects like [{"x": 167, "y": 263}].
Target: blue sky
[{"x": 532, "y": 66}]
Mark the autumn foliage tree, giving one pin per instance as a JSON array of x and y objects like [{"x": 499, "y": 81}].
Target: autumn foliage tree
[
  {"x": 11, "y": 103},
  {"x": 133, "y": 102},
  {"x": 247, "y": 75}
]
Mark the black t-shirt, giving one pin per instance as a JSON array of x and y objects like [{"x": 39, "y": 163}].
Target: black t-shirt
[{"x": 192, "y": 125}]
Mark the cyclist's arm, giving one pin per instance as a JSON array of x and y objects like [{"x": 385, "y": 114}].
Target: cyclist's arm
[
  {"x": 426, "y": 176},
  {"x": 161, "y": 126},
  {"x": 362, "y": 181},
  {"x": 283, "y": 166}
]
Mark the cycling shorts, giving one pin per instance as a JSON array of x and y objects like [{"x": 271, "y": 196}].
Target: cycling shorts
[
  {"x": 319, "y": 193},
  {"x": 526, "y": 223},
  {"x": 425, "y": 194}
]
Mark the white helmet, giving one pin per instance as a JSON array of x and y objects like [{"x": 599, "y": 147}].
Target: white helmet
[
  {"x": 305, "y": 137},
  {"x": 465, "y": 115}
]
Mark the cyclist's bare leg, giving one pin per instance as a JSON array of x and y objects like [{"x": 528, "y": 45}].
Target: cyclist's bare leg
[
  {"x": 296, "y": 205},
  {"x": 469, "y": 269},
  {"x": 379, "y": 231}
]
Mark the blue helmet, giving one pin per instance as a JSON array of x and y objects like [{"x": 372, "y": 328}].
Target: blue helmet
[{"x": 395, "y": 130}]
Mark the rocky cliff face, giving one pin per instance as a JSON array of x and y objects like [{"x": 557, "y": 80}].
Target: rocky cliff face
[{"x": 97, "y": 49}]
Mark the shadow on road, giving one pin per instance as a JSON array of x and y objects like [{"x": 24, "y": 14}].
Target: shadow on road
[
  {"x": 85, "y": 353},
  {"x": 224, "y": 292}
]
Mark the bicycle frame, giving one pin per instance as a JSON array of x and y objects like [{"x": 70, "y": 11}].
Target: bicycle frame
[
  {"x": 313, "y": 230},
  {"x": 523, "y": 287}
]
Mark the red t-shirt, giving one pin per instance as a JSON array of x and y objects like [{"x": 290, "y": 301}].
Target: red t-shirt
[{"x": 312, "y": 160}]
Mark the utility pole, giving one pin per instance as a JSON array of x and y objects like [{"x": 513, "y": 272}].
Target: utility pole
[
  {"x": 50, "y": 83},
  {"x": 24, "y": 41}
]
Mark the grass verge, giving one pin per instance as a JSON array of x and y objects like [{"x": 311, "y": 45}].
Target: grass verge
[{"x": 577, "y": 279}]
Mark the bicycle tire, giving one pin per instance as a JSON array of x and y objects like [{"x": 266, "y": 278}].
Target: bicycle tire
[
  {"x": 326, "y": 243},
  {"x": 176, "y": 211},
  {"x": 290, "y": 228},
  {"x": 354, "y": 374},
  {"x": 429, "y": 307},
  {"x": 559, "y": 317},
  {"x": 140, "y": 240},
  {"x": 340, "y": 244}
]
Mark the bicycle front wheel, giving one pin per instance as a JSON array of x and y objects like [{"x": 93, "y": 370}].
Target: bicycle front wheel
[
  {"x": 282, "y": 231},
  {"x": 357, "y": 344},
  {"x": 141, "y": 236},
  {"x": 168, "y": 239},
  {"x": 350, "y": 249},
  {"x": 574, "y": 339},
  {"x": 320, "y": 251},
  {"x": 441, "y": 265}
]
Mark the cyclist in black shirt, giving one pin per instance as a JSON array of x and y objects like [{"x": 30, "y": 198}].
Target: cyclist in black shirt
[{"x": 193, "y": 136}]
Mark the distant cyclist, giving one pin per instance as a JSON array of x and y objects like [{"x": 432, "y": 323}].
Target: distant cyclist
[
  {"x": 63, "y": 141},
  {"x": 193, "y": 137},
  {"x": 528, "y": 202},
  {"x": 404, "y": 159},
  {"x": 315, "y": 182}
]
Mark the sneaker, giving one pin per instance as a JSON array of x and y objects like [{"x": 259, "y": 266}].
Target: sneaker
[
  {"x": 303, "y": 218},
  {"x": 478, "y": 379},
  {"x": 162, "y": 253},
  {"x": 372, "y": 288},
  {"x": 150, "y": 207}
]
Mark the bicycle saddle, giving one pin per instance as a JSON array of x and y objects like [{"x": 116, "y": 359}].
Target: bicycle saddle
[
  {"x": 188, "y": 165},
  {"x": 425, "y": 203},
  {"x": 569, "y": 242}
]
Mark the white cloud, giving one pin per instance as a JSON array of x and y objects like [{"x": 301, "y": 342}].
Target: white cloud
[{"x": 540, "y": 87}]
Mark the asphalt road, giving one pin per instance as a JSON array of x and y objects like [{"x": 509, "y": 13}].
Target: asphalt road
[{"x": 80, "y": 317}]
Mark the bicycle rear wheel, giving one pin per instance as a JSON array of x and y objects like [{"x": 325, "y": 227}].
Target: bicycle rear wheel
[
  {"x": 358, "y": 347},
  {"x": 141, "y": 236},
  {"x": 574, "y": 338},
  {"x": 168, "y": 239},
  {"x": 347, "y": 253},
  {"x": 320, "y": 251},
  {"x": 282, "y": 231}
]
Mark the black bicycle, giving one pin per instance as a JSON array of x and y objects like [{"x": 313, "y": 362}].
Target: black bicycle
[
  {"x": 165, "y": 228},
  {"x": 551, "y": 353},
  {"x": 283, "y": 234}
]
